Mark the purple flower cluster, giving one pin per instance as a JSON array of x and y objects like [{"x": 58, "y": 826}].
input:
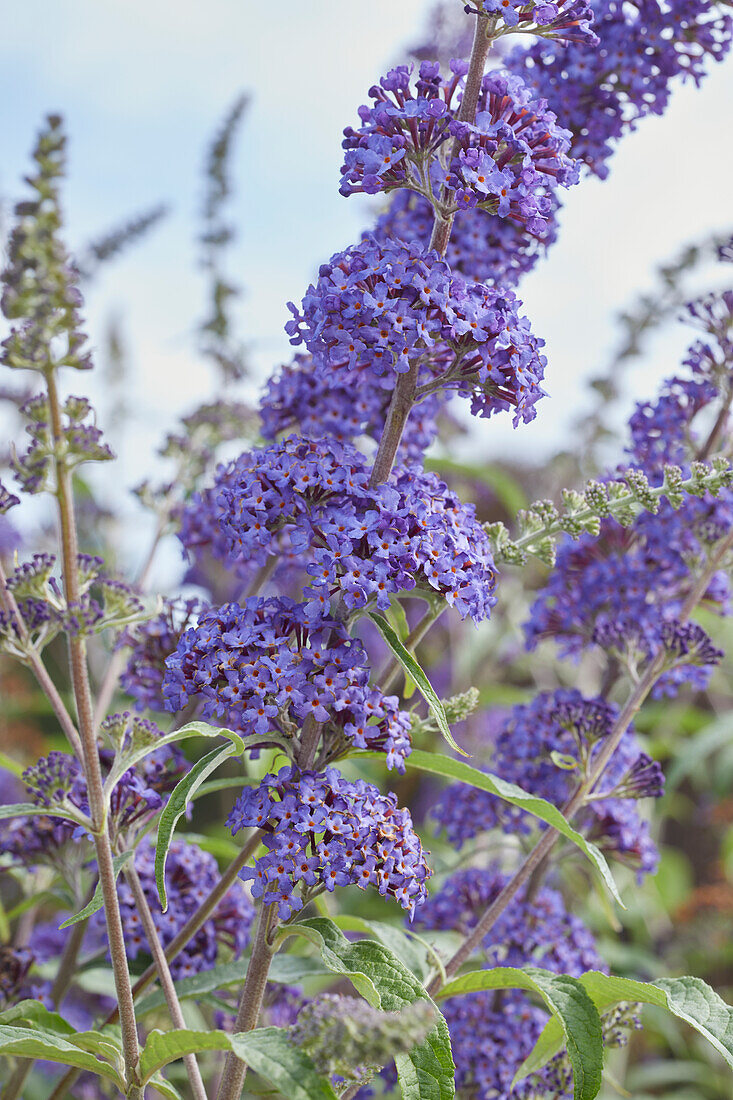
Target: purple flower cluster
[
  {"x": 307, "y": 396},
  {"x": 624, "y": 591},
  {"x": 191, "y": 875},
  {"x": 311, "y": 499},
  {"x": 502, "y": 162},
  {"x": 268, "y": 666},
  {"x": 645, "y": 47},
  {"x": 544, "y": 747},
  {"x": 491, "y": 1038},
  {"x": 386, "y": 306},
  {"x": 323, "y": 830},
  {"x": 482, "y": 247},
  {"x": 565, "y": 21},
  {"x": 151, "y": 644}
]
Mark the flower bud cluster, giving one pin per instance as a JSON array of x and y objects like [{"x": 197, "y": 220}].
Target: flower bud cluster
[
  {"x": 491, "y": 1037},
  {"x": 311, "y": 500},
  {"x": 80, "y": 442},
  {"x": 104, "y": 603},
  {"x": 268, "y": 666},
  {"x": 58, "y": 779},
  {"x": 483, "y": 247},
  {"x": 151, "y": 643},
  {"x": 388, "y": 306},
  {"x": 346, "y": 1037},
  {"x": 40, "y": 291},
  {"x": 324, "y": 831},
  {"x": 645, "y": 49},
  {"x": 566, "y": 21}
]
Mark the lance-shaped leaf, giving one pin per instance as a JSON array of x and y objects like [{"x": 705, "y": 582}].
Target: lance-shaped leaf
[
  {"x": 690, "y": 999},
  {"x": 29, "y": 809},
  {"x": 118, "y": 862},
  {"x": 427, "y": 1072},
  {"x": 47, "y": 1046},
  {"x": 573, "y": 1012},
  {"x": 437, "y": 764},
  {"x": 267, "y": 1050},
  {"x": 145, "y": 743},
  {"x": 175, "y": 807},
  {"x": 413, "y": 669}
]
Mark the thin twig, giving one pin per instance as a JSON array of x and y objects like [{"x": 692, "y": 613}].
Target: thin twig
[
  {"x": 164, "y": 976},
  {"x": 10, "y": 606},
  {"x": 90, "y": 750},
  {"x": 177, "y": 944}
]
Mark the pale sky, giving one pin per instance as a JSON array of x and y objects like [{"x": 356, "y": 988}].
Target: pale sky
[{"x": 144, "y": 84}]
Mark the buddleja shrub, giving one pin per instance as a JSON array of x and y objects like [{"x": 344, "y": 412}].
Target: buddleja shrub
[{"x": 333, "y": 955}]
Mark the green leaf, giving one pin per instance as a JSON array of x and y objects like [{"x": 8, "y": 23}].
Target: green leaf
[
  {"x": 33, "y": 1012},
  {"x": 26, "y": 1043},
  {"x": 438, "y": 764},
  {"x": 163, "y": 1047},
  {"x": 128, "y": 758},
  {"x": 406, "y": 947},
  {"x": 29, "y": 809},
  {"x": 270, "y": 1053},
  {"x": 427, "y": 1072},
  {"x": 397, "y": 619},
  {"x": 413, "y": 669},
  {"x": 284, "y": 970},
  {"x": 267, "y": 1050},
  {"x": 175, "y": 807},
  {"x": 165, "y": 1088},
  {"x": 118, "y": 862},
  {"x": 573, "y": 1012},
  {"x": 690, "y": 999}
]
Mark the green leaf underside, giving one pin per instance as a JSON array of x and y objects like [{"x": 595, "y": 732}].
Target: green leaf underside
[
  {"x": 176, "y": 807},
  {"x": 118, "y": 862},
  {"x": 413, "y": 669},
  {"x": 688, "y": 998},
  {"x": 45, "y": 1045},
  {"x": 446, "y": 766},
  {"x": 427, "y": 1072},
  {"x": 573, "y": 1013},
  {"x": 284, "y": 970},
  {"x": 29, "y": 809},
  {"x": 268, "y": 1051}
]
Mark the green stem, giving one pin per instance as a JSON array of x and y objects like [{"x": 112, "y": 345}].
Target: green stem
[
  {"x": 198, "y": 1091},
  {"x": 90, "y": 748},
  {"x": 250, "y": 1004}
]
